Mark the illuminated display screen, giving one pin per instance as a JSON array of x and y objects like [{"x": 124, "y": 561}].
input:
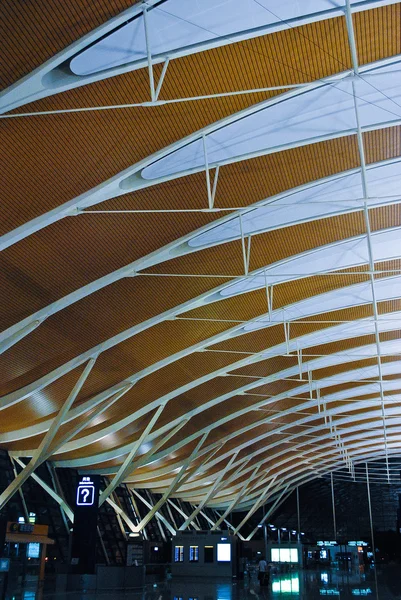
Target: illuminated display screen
[
  {"x": 193, "y": 553},
  {"x": 33, "y": 550},
  {"x": 286, "y": 586},
  {"x": 288, "y": 555},
  {"x": 223, "y": 552},
  {"x": 179, "y": 554}
]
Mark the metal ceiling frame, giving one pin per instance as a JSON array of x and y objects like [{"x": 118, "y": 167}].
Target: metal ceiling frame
[
  {"x": 130, "y": 179},
  {"x": 341, "y": 443},
  {"x": 52, "y": 77}
]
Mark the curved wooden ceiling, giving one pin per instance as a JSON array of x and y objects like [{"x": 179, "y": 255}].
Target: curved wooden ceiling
[{"x": 257, "y": 298}]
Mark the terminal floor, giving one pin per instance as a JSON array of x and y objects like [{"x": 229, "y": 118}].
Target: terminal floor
[{"x": 303, "y": 585}]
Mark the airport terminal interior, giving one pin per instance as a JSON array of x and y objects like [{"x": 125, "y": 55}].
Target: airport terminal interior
[{"x": 200, "y": 292}]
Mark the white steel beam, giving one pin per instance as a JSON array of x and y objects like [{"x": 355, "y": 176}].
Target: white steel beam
[
  {"x": 237, "y": 498},
  {"x": 211, "y": 492},
  {"x": 361, "y": 148},
  {"x": 126, "y": 467},
  {"x": 131, "y": 180},
  {"x": 156, "y": 513},
  {"x": 63, "y": 504},
  {"x": 282, "y": 498},
  {"x": 51, "y": 78},
  {"x": 257, "y": 504},
  {"x": 19, "y": 330},
  {"x": 42, "y": 453},
  {"x": 182, "y": 513},
  {"x": 174, "y": 484}
]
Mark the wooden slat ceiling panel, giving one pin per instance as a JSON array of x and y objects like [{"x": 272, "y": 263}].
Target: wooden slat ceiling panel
[
  {"x": 79, "y": 250},
  {"x": 127, "y": 302},
  {"x": 54, "y": 158},
  {"x": 142, "y": 299},
  {"x": 134, "y": 354},
  {"x": 43, "y": 29},
  {"x": 377, "y": 33},
  {"x": 95, "y": 146},
  {"x": 40, "y": 405},
  {"x": 185, "y": 370}
]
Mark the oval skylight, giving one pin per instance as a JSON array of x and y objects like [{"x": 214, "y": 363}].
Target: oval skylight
[
  {"x": 294, "y": 119},
  {"x": 323, "y": 199},
  {"x": 176, "y": 24}
]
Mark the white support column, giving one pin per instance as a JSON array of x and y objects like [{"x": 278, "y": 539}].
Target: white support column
[
  {"x": 182, "y": 513},
  {"x": 59, "y": 490},
  {"x": 115, "y": 499},
  {"x": 21, "y": 493},
  {"x": 63, "y": 504},
  {"x": 174, "y": 484},
  {"x": 42, "y": 453},
  {"x": 122, "y": 514},
  {"x": 213, "y": 490},
  {"x": 149, "y": 54},
  {"x": 215, "y": 180},
  {"x": 208, "y": 184},
  {"x": 333, "y": 506},
  {"x": 207, "y": 458},
  {"x": 19, "y": 335},
  {"x": 286, "y": 326},
  {"x": 299, "y": 356},
  {"x": 161, "y": 78},
  {"x": 64, "y": 439},
  {"x": 229, "y": 525},
  {"x": 237, "y": 498},
  {"x": 127, "y": 464},
  {"x": 282, "y": 498},
  {"x": 269, "y": 297},
  {"x": 257, "y": 504},
  {"x": 170, "y": 513},
  {"x": 361, "y": 148},
  {"x": 246, "y": 251},
  {"x": 163, "y": 440},
  {"x": 370, "y": 510},
  {"x": 156, "y": 513}
]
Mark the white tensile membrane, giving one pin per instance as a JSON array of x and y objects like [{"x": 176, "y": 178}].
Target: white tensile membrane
[
  {"x": 322, "y": 112},
  {"x": 325, "y": 199},
  {"x": 176, "y": 24},
  {"x": 386, "y": 245}
]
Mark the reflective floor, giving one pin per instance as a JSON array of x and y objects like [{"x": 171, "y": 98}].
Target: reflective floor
[{"x": 385, "y": 585}]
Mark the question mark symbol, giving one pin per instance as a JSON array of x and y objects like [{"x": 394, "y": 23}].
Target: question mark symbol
[{"x": 85, "y": 494}]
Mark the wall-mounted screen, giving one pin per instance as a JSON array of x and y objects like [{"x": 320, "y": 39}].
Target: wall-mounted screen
[
  {"x": 179, "y": 554},
  {"x": 193, "y": 553},
  {"x": 223, "y": 552},
  {"x": 33, "y": 550},
  {"x": 286, "y": 555}
]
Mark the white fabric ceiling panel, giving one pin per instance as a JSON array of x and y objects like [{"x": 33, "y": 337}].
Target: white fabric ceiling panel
[
  {"x": 322, "y": 200},
  {"x": 176, "y": 24},
  {"x": 325, "y": 111},
  {"x": 355, "y": 295},
  {"x": 386, "y": 245}
]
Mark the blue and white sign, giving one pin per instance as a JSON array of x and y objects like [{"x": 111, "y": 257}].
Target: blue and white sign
[
  {"x": 4, "y": 565},
  {"x": 85, "y": 492}
]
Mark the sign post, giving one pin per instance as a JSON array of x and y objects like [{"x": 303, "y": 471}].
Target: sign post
[{"x": 84, "y": 538}]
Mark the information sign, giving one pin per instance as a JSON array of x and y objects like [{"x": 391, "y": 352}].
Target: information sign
[
  {"x": 4, "y": 565},
  {"x": 85, "y": 492}
]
